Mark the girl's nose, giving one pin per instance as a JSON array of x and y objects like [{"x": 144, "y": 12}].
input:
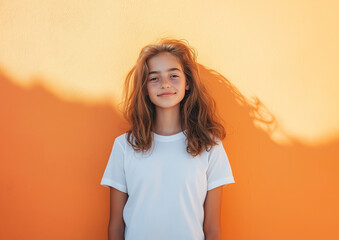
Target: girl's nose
[{"x": 165, "y": 82}]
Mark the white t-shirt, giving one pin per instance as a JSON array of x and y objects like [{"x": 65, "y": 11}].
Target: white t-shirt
[{"x": 166, "y": 186}]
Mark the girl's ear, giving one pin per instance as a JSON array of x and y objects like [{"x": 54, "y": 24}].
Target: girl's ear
[{"x": 187, "y": 87}]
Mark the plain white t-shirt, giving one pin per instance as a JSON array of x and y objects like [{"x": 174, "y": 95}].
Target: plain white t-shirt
[{"x": 166, "y": 186}]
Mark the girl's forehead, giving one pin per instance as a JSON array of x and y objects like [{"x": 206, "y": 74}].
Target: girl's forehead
[{"x": 163, "y": 62}]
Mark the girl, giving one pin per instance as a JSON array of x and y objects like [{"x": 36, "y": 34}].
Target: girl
[{"x": 165, "y": 173}]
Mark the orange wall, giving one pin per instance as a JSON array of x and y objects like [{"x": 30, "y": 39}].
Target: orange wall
[{"x": 271, "y": 66}]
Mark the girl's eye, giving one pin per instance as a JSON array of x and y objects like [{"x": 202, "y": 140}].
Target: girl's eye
[{"x": 153, "y": 79}]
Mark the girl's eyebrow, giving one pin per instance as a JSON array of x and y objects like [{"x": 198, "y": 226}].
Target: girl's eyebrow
[{"x": 168, "y": 70}]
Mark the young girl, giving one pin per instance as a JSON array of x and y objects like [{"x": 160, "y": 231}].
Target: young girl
[{"x": 165, "y": 173}]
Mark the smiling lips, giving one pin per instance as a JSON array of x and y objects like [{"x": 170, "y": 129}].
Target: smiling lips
[{"x": 166, "y": 94}]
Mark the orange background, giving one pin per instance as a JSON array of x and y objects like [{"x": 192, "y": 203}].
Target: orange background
[{"x": 271, "y": 67}]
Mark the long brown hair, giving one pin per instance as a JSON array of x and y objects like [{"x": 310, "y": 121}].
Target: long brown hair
[{"x": 197, "y": 109}]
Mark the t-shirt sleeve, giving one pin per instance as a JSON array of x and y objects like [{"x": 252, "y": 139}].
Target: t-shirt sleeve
[
  {"x": 219, "y": 169},
  {"x": 114, "y": 175}
]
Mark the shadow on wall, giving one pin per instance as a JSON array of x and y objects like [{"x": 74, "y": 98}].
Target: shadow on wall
[{"x": 54, "y": 153}]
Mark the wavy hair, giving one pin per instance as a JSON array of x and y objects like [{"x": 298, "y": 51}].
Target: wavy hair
[{"x": 198, "y": 113}]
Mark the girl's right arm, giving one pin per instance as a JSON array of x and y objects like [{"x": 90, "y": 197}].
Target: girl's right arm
[{"x": 116, "y": 226}]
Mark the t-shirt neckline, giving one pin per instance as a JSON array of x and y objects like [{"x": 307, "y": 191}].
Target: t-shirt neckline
[{"x": 169, "y": 138}]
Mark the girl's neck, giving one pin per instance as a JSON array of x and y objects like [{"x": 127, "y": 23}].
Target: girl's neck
[{"x": 167, "y": 121}]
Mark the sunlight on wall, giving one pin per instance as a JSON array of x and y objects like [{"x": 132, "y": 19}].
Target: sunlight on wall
[{"x": 283, "y": 52}]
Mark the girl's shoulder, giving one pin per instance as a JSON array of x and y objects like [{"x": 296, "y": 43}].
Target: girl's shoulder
[
  {"x": 215, "y": 138},
  {"x": 121, "y": 139}
]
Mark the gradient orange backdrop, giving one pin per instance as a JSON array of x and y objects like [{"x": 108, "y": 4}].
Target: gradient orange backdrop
[{"x": 270, "y": 65}]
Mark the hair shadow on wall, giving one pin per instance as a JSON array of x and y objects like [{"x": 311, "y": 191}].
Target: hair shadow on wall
[
  {"x": 54, "y": 153},
  {"x": 280, "y": 186}
]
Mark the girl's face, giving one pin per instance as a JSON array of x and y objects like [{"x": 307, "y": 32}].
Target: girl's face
[{"x": 166, "y": 83}]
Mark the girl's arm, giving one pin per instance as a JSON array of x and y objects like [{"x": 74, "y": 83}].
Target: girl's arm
[
  {"x": 212, "y": 211},
  {"x": 116, "y": 226}
]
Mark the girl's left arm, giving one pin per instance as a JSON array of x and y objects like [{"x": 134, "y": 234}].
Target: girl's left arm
[{"x": 212, "y": 211}]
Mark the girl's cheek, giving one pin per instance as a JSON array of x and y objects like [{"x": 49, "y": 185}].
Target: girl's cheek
[{"x": 152, "y": 89}]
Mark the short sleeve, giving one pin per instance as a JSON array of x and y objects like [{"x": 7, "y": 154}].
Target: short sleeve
[
  {"x": 219, "y": 170},
  {"x": 114, "y": 175}
]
